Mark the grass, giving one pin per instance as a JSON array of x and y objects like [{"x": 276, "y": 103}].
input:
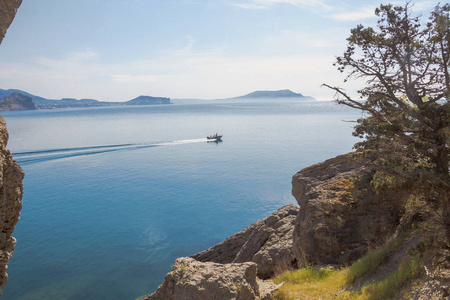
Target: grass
[
  {"x": 309, "y": 283},
  {"x": 410, "y": 268},
  {"x": 371, "y": 261},
  {"x": 329, "y": 283}
]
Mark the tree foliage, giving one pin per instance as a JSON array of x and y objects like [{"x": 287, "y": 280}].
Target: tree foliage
[{"x": 406, "y": 97}]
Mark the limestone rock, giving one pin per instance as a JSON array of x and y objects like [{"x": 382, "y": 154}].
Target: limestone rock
[
  {"x": 191, "y": 279},
  {"x": 11, "y": 190},
  {"x": 267, "y": 242},
  {"x": 8, "y": 9},
  {"x": 337, "y": 222}
]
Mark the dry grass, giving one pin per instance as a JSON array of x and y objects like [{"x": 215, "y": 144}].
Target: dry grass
[{"x": 311, "y": 283}]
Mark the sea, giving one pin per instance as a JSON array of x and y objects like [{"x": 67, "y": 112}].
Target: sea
[{"x": 113, "y": 195}]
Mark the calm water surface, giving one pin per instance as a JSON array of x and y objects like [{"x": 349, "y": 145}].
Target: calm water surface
[{"x": 112, "y": 196}]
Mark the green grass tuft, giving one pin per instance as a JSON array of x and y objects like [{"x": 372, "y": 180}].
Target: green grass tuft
[
  {"x": 367, "y": 264},
  {"x": 410, "y": 268}
]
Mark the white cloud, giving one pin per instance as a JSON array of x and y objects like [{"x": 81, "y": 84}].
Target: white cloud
[
  {"x": 262, "y": 4},
  {"x": 363, "y": 13},
  {"x": 189, "y": 76},
  {"x": 128, "y": 78}
]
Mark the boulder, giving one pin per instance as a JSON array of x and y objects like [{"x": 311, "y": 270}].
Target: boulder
[
  {"x": 191, "y": 279},
  {"x": 338, "y": 222},
  {"x": 267, "y": 242}
]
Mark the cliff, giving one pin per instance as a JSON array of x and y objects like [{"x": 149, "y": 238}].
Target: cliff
[
  {"x": 341, "y": 217},
  {"x": 11, "y": 174},
  {"x": 8, "y": 9},
  {"x": 11, "y": 190},
  {"x": 16, "y": 101}
]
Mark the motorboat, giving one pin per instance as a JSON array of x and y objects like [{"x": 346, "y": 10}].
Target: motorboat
[{"x": 214, "y": 137}]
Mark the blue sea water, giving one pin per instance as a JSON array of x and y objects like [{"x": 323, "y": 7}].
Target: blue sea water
[{"x": 113, "y": 195}]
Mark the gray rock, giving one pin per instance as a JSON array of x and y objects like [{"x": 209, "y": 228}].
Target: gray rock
[
  {"x": 194, "y": 280},
  {"x": 267, "y": 242}
]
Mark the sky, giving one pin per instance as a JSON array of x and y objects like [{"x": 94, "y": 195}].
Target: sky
[{"x": 116, "y": 50}]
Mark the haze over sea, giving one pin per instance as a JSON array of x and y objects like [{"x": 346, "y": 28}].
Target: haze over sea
[{"x": 112, "y": 196}]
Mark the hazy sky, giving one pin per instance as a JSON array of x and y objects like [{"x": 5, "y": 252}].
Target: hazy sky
[{"x": 115, "y": 50}]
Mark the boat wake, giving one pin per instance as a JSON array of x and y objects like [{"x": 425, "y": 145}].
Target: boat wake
[{"x": 53, "y": 154}]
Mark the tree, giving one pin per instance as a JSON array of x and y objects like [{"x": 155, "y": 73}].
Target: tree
[{"x": 406, "y": 97}]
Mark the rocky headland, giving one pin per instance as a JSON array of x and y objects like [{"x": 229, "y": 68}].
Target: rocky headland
[
  {"x": 339, "y": 219},
  {"x": 16, "y": 101}
]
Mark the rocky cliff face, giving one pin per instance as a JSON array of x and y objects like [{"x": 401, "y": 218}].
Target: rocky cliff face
[
  {"x": 8, "y": 9},
  {"x": 17, "y": 101},
  {"x": 340, "y": 217},
  {"x": 11, "y": 174},
  {"x": 11, "y": 190}
]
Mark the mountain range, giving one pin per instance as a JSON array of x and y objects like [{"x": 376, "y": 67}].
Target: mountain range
[
  {"x": 14, "y": 99},
  {"x": 43, "y": 103}
]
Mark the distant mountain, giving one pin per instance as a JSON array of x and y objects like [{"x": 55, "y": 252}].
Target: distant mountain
[
  {"x": 4, "y": 93},
  {"x": 16, "y": 101},
  {"x": 43, "y": 103},
  {"x": 147, "y": 100},
  {"x": 275, "y": 94}
]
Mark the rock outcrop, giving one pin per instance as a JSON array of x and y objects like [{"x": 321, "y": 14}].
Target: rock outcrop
[
  {"x": 232, "y": 269},
  {"x": 8, "y": 9},
  {"x": 194, "y": 280},
  {"x": 17, "y": 101},
  {"x": 338, "y": 222},
  {"x": 11, "y": 190},
  {"x": 267, "y": 242}
]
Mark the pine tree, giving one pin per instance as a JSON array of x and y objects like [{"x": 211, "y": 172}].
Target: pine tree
[{"x": 406, "y": 97}]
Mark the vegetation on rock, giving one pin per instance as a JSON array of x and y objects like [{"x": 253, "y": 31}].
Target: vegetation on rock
[{"x": 406, "y": 124}]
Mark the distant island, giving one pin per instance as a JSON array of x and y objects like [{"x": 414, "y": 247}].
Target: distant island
[
  {"x": 275, "y": 94},
  {"x": 13, "y": 99}
]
